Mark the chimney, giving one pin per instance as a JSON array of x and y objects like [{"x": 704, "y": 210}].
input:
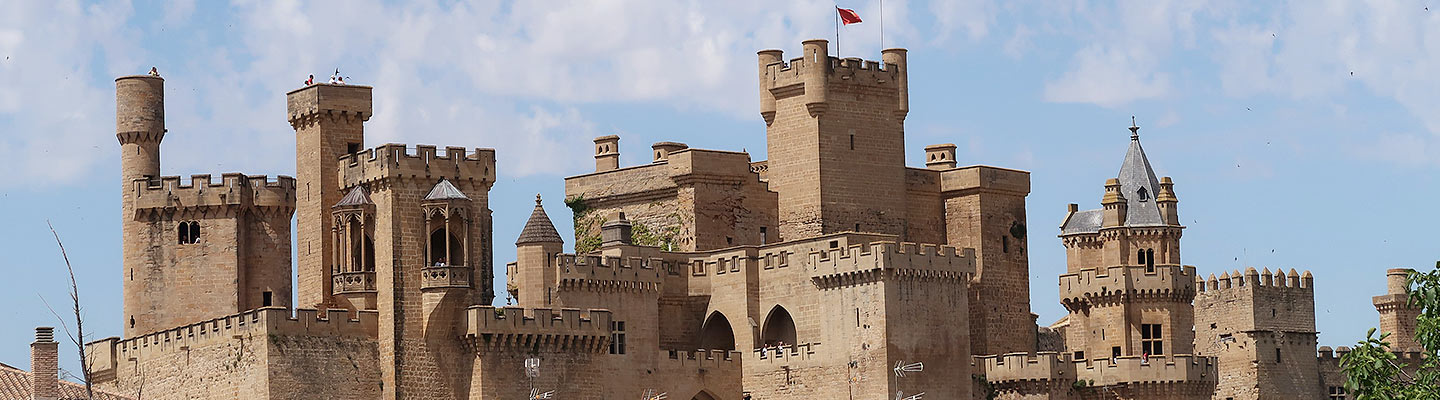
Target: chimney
[
  {"x": 615, "y": 232},
  {"x": 607, "y": 153},
  {"x": 940, "y": 156},
  {"x": 44, "y": 365}
]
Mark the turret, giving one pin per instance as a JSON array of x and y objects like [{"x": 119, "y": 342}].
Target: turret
[
  {"x": 1396, "y": 316},
  {"x": 140, "y": 126},
  {"x": 533, "y": 278},
  {"x": 896, "y": 57},
  {"x": 1397, "y": 281},
  {"x": 607, "y": 153},
  {"x": 767, "y": 99},
  {"x": 1167, "y": 202},
  {"x": 817, "y": 59},
  {"x": 1114, "y": 204},
  {"x": 940, "y": 156}
]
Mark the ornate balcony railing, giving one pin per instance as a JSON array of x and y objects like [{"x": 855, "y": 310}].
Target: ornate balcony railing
[
  {"x": 354, "y": 282},
  {"x": 442, "y": 277}
]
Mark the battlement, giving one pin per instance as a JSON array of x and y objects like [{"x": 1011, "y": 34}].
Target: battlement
[
  {"x": 233, "y": 189},
  {"x": 1155, "y": 369},
  {"x": 1027, "y": 367},
  {"x": 260, "y": 323},
  {"x": 1324, "y": 353},
  {"x": 837, "y": 70},
  {"x": 1254, "y": 280},
  {"x": 700, "y": 358},
  {"x": 394, "y": 160},
  {"x": 625, "y": 273},
  {"x": 792, "y": 352},
  {"x": 304, "y": 104},
  {"x": 1093, "y": 283},
  {"x": 519, "y": 329},
  {"x": 894, "y": 255}
]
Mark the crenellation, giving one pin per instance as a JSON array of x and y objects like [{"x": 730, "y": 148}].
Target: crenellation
[
  {"x": 393, "y": 161},
  {"x": 201, "y": 191},
  {"x": 1027, "y": 367}
]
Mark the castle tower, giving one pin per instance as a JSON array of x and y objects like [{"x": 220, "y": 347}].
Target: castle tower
[
  {"x": 835, "y": 137},
  {"x": 183, "y": 258},
  {"x": 433, "y": 252},
  {"x": 1128, "y": 295},
  {"x": 328, "y": 122},
  {"x": 1396, "y": 317},
  {"x": 534, "y": 274},
  {"x": 1260, "y": 326}
]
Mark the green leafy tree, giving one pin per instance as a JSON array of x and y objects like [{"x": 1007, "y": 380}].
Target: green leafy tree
[{"x": 1373, "y": 372}]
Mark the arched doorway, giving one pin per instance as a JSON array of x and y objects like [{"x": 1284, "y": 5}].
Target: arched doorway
[
  {"x": 779, "y": 328},
  {"x": 439, "y": 249},
  {"x": 716, "y": 334},
  {"x": 703, "y": 395}
]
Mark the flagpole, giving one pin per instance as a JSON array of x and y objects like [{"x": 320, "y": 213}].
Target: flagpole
[
  {"x": 837, "y": 32},
  {"x": 882, "y": 24}
]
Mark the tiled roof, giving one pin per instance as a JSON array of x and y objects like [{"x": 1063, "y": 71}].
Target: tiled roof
[
  {"x": 445, "y": 191},
  {"x": 15, "y": 384},
  {"x": 1138, "y": 184},
  {"x": 538, "y": 229},
  {"x": 356, "y": 197},
  {"x": 1087, "y": 221}
]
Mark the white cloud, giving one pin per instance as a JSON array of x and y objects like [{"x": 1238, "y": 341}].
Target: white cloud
[
  {"x": 973, "y": 17},
  {"x": 1110, "y": 77},
  {"x": 1126, "y": 44}
]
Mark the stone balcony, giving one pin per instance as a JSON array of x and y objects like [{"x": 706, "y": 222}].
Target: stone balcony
[
  {"x": 445, "y": 277},
  {"x": 354, "y": 282}
]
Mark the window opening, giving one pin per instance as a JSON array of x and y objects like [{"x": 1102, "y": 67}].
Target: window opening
[
  {"x": 617, "y": 337},
  {"x": 1150, "y": 339},
  {"x": 265, "y": 299}
]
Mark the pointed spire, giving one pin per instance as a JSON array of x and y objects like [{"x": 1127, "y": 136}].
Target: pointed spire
[
  {"x": 538, "y": 229},
  {"x": 1139, "y": 184},
  {"x": 1134, "y": 129}
]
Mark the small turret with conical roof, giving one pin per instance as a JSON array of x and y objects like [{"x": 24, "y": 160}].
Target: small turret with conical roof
[{"x": 535, "y": 250}]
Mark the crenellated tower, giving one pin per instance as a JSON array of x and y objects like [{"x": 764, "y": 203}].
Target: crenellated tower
[
  {"x": 1260, "y": 326},
  {"x": 183, "y": 255},
  {"x": 1127, "y": 293},
  {"x": 835, "y": 130},
  {"x": 1396, "y": 316},
  {"x": 329, "y": 122}
]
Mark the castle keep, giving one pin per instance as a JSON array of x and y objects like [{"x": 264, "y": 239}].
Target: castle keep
[{"x": 830, "y": 270}]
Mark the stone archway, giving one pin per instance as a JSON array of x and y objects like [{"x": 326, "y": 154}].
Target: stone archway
[{"x": 716, "y": 334}]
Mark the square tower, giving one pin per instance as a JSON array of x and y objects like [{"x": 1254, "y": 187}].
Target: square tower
[
  {"x": 329, "y": 122},
  {"x": 835, "y": 136}
]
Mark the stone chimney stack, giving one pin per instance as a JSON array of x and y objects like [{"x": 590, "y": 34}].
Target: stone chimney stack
[
  {"x": 940, "y": 156},
  {"x": 616, "y": 231},
  {"x": 607, "y": 153},
  {"x": 44, "y": 365}
]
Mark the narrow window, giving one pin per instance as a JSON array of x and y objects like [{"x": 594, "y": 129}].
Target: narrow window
[
  {"x": 1140, "y": 257},
  {"x": 182, "y": 234},
  {"x": 1150, "y": 260},
  {"x": 1277, "y": 355},
  {"x": 1150, "y": 339},
  {"x": 1115, "y": 351},
  {"x": 265, "y": 300},
  {"x": 617, "y": 337},
  {"x": 857, "y": 227},
  {"x": 857, "y": 317},
  {"x": 1005, "y": 244},
  {"x": 132, "y": 321},
  {"x": 852, "y": 141},
  {"x": 729, "y": 240},
  {"x": 763, "y": 237}
]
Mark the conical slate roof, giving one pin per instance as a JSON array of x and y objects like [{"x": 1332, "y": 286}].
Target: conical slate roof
[
  {"x": 445, "y": 191},
  {"x": 356, "y": 197},
  {"x": 538, "y": 229},
  {"x": 1138, "y": 184}
]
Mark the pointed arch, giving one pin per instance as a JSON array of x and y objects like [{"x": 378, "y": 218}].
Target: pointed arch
[
  {"x": 715, "y": 333},
  {"x": 703, "y": 395},
  {"x": 779, "y": 328}
]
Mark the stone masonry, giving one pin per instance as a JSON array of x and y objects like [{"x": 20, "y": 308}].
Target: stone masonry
[{"x": 831, "y": 270}]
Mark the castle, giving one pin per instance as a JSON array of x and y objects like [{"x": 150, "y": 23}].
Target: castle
[{"x": 832, "y": 269}]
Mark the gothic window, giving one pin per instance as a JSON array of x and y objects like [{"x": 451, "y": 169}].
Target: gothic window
[
  {"x": 188, "y": 232},
  {"x": 1150, "y": 260},
  {"x": 1140, "y": 257},
  {"x": 1150, "y": 340},
  {"x": 779, "y": 328},
  {"x": 716, "y": 333}
]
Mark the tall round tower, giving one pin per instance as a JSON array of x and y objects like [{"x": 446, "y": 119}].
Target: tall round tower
[{"x": 139, "y": 125}]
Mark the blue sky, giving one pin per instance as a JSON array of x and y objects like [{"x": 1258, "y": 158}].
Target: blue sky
[{"x": 1299, "y": 134}]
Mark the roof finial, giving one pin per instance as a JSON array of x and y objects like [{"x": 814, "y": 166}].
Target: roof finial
[
  {"x": 537, "y": 199},
  {"x": 1134, "y": 129}
]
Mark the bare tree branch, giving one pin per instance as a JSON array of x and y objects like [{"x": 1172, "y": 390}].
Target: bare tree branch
[{"x": 79, "y": 337}]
